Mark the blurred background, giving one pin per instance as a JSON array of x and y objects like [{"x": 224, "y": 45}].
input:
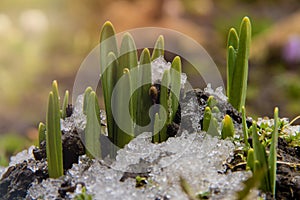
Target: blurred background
[{"x": 45, "y": 40}]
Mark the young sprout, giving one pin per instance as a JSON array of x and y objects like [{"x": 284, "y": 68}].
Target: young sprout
[
  {"x": 245, "y": 128},
  {"x": 159, "y": 48},
  {"x": 250, "y": 159},
  {"x": 42, "y": 132},
  {"x": 227, "y": 127},
  {"x": 164, "y": 101},
  {"x": 210, "y": 124},
  {"x": 114, "y": 65},
  {"x": 238, "y": 47},
  {"x": 273, "y": 153},
  {"x": 175, "y": 85},
  {"x": 211, "y": 102},
  {"x": 108, "y": 69},
  {"x": 260, "y": 159},
  {"x": 215, "y": 109},
  {"x": 126, "y": 133},
  {"x": 128, "y": 59},
  {"x": 83, "y": 195},
  {"x": 206, "y": 119},
  {"x": 266, "y": 165},
  {"x": 65, "y": 105},
  {"x": 169, "y": 95},
  {"x": 92, "y": 129},
  {"x": 53, "y": 136},
  {"x": 144, "y": 101}
]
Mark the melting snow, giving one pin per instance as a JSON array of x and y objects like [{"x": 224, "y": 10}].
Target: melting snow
[
  {"x": 217, "y": 93},
  {"x": 158, "y": 66},
  {"x": 196, "y": 157}
]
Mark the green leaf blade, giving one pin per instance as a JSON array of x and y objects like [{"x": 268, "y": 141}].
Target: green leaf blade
[
  {"x": 42, "y": 132},
  {"x": 126, "y": 133},
  {"x": 245, "y": 127},
  {"x": 128, "y": 60},
  {"x": 273, "y": 153},
  {"x": 164, "y": 102},
  {"x": 144, "y": 100},
  {"x": 65, "y": 105},
  {"x": 159, "y": 48},
  {"x": 92, "y": 129},
  {"x": 108, "y": 43},
  {"x": 108, "y": 83},
  {"x": 175, "y": 85},
  {"x": 53, "y": 137},
  {"x": 227, "y": 127}
]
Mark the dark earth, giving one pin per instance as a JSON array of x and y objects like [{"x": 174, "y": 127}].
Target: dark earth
[{"x": 17, "y": 179}]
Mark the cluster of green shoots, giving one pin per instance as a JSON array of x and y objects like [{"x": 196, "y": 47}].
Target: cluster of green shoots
[
  {"x": 136, "y": 80},
  {"x": 210, "y": 124},
  {"x": 51, "y": 132},
  {"x": 123, "y": 63},
  {"x": 238, "y": 47},
  {"x": 262, "y": 165},
  {"x": 136, "y": 75}
]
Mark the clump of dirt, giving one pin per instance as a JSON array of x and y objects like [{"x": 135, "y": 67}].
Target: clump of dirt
[
  {"x": 288, "y": 171},
  {"x": 17, "y": 179}
]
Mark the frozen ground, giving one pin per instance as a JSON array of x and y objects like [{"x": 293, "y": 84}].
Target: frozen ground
[{"x": 196, "y": 157}]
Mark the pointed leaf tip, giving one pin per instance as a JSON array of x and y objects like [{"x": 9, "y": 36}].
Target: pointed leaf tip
[
  {"x": 54, "y": 83},
  {"x": 108, "y": 26},
  {"x": 177, "y": 59},
  {"x": 158, "y": 48},
  {"x": 246, "y": 19}
]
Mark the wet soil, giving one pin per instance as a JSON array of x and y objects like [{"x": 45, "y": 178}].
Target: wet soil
[
  {"x": 17, "y": 179},
  {"x": 288, "y": 171},
  {"x": 287, "y": 174}
]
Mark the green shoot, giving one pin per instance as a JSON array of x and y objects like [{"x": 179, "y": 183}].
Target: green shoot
[
  {"x": 108, "y": 67},
  {"x": 83, "y": 195},
  {"x": 65, "y": 105},
  {"x": 175, "y": 84},
  {"x": 123, "y": 90},
  {"x": 206, "y": 119},
  {"x": 227, "y": 127},
  {"x": 211, "y": 102},
  {"x": 158, "y": 48},
  {"x": 164, "y": 101},
  {"x": 92, "y": 129},
  {"x": 238, "y": 48},
  {"x": 210, "y": 124},
  {"x": 53, "y": 136},
  {"x": 262, "y": 162},
  {"x": 144, "y": 101},
  {"x": 42, "y": 132},
  {"x": 260, "y": 157},
  {"x": 245, "y": 128},
  {"x": 273, "y": 153},
  {"x": 250, "y": 159}
]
